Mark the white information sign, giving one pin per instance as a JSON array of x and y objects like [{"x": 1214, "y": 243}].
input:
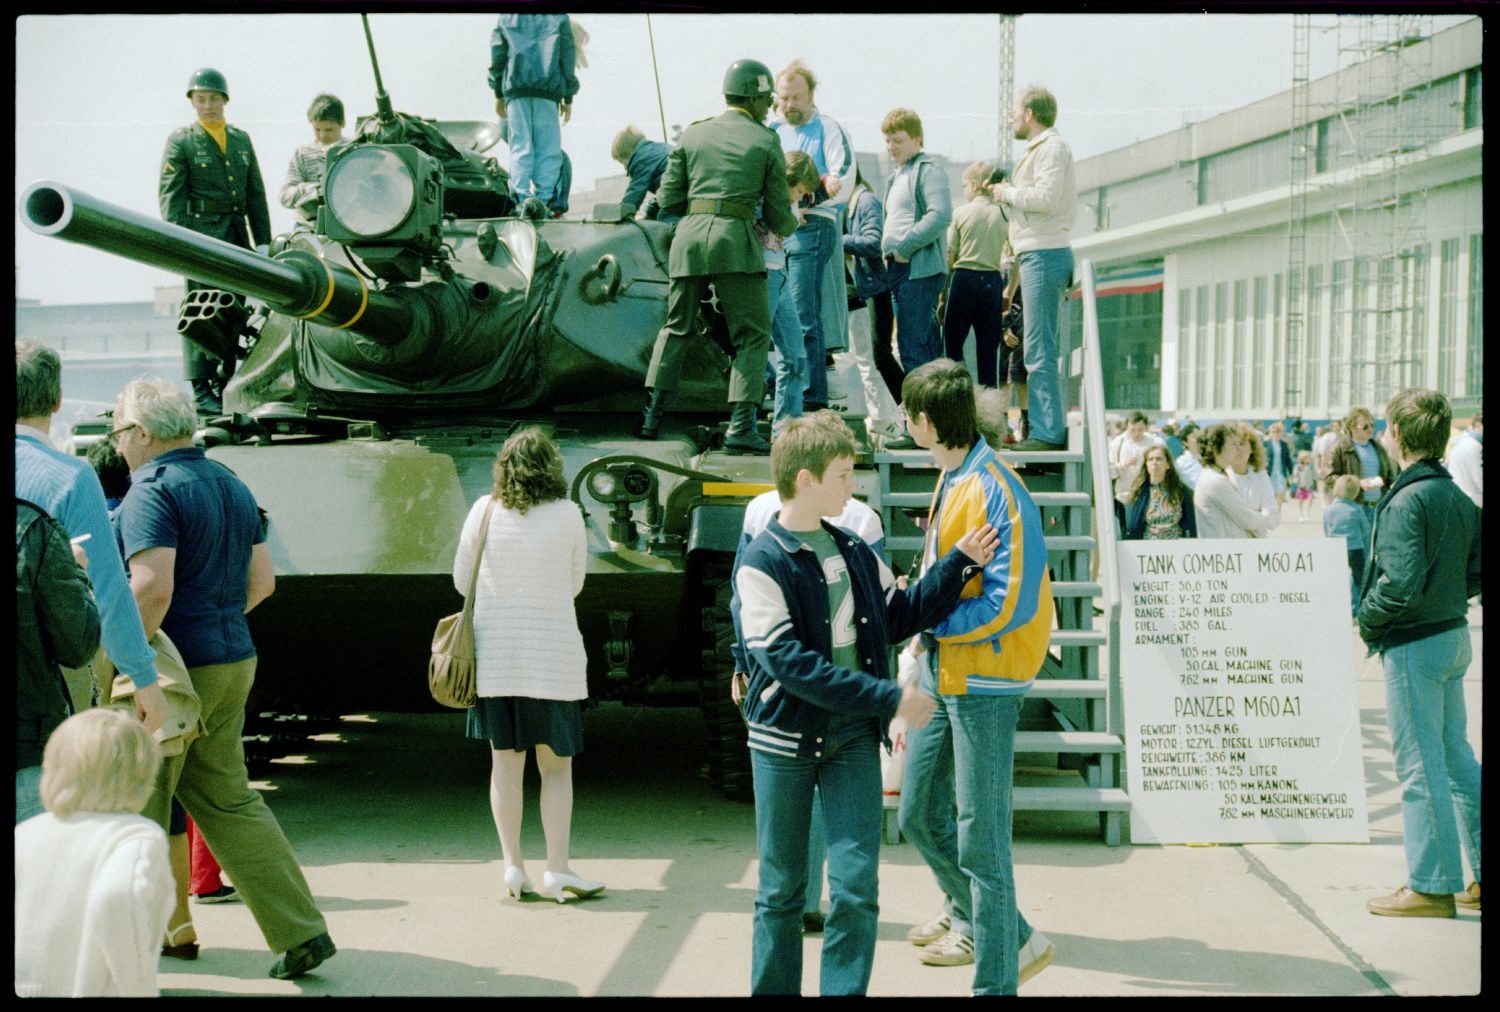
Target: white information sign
[{"x": 1237, "y": 664}]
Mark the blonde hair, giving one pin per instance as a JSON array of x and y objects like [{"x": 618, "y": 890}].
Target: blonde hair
[
  {"x": 975, "y": 176},
  {"x": 100, "y": 760},
  {"x": 1304, "y": 456},
  {"x": 1346, "y": 486},
  {"x": 625, "y": 143}
]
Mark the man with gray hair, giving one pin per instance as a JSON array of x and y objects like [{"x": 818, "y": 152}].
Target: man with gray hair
[
  {"x": 66, "y": 488},
  {"x": 196, "y": 547}
]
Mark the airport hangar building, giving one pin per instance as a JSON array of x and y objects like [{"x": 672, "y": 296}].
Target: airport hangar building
[{"x": 1314, "y": 251}]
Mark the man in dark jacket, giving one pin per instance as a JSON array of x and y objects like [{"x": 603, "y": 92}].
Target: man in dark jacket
[
  {"x": 532, "y": 60},
  {"x": 1413, "y": 610},
  {"x": 56, "y": 624},
  {"x": 210, "y": 183}
]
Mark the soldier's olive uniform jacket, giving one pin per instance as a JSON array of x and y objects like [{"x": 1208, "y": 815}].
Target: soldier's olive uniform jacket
[
  {"x": 212, "y": 191},
  {"x": 718, "y": 177}
]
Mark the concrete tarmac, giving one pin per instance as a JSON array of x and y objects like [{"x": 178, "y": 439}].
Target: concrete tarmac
[{"x": 390, "y": 818}]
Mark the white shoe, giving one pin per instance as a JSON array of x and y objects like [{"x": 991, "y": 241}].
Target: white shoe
[
  {"x": 559, "y": 884},
  {"x": 1035, "y": 956},
  {"x": 517, "y": 883},
  {"x": 926, "y": 934}
]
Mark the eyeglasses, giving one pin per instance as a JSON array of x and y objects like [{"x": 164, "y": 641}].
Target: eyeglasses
[{"x": 115, "y": 433}]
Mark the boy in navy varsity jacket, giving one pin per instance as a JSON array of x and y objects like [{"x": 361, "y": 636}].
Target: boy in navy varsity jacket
[{"x": 818, "y": 611}]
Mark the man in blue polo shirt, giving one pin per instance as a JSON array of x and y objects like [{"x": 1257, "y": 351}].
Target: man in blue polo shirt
[{"x": 198, "y": 558}]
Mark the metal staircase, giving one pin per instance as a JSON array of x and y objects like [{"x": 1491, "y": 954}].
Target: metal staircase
[{"x": 1069, "y": 732}]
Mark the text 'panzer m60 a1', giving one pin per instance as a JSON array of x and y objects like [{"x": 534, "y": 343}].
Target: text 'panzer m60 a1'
[{"x": 385, "y": 356}]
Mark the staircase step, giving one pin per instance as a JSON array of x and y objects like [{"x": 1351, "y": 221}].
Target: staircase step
[
  {"x": 1068, "y": 688},
  {"x": 1062, "y": 499},
  {"x": 1069, "y": 543},
  {"x": 908, "y": 500},
  {"x": 1076, "y": 588},
  {"x": 1078, "y": 637},
  {"x": 1041, "y": 457},
  {"x": 1070, "y": 799},
  {"x": 917, "y": 458},
  {"x": 1086, "y": 742}
]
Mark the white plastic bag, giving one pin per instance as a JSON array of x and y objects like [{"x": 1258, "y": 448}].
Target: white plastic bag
[{"x": 893, "y": 765}]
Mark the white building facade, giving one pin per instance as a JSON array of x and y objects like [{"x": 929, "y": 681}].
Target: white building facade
[{"x": 1389, "y": 293}]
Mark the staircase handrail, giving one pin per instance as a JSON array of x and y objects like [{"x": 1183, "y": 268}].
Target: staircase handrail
[{"x": 1096, "y": 431}]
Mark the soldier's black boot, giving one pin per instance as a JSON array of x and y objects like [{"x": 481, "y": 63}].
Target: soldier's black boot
[
  {"x": 206, "y": 398},
  {"x": 741, "y": 436},
  {"x": 656, "y": 408}
]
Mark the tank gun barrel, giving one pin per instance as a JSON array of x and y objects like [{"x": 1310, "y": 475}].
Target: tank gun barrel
[{"x": 295, "y": 282}]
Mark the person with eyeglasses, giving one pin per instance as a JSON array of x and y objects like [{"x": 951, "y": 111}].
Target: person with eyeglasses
[{"x": 1359, "y": 453}]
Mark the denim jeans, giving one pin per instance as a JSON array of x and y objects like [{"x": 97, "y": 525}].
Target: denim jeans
[
  {"x": 28, "y": 793},
  {"x": 791, "y": 357},
  {"x": 1438, "y": 772},
  {"x": 807, "y": 252},
  {"x": 956, "y": 810},
  {"x": 1045, "y": 276},
  {"x": 847, "y": 776},
  {"x": 535, "y": 148},
  {"x": 915, "y": 301}
]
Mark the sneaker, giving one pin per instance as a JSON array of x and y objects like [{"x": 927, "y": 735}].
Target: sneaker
[
  {"x": 1036, "y": 955},
  {"x": 223, "y": 894},
  {"x": 926, "y": 934},
  {"x": 902, "y": 442},
  {"x": 1469, "y": 898},
  {"x": 299, "y": 959},
  {"x": 812, "y": 922},
  {"x": 953, "y": 949},
  {"x": 1406, "y": 902}
]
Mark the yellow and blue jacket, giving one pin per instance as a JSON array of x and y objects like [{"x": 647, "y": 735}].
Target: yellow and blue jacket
[{"x": 994, "y": 640}]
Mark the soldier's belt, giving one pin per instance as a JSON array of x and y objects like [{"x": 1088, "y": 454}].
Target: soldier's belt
[
  {"x": 214, "y": 207},
  {"x": 724, "y": 208}
]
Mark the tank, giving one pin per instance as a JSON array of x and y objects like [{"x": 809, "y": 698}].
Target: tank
[{"x": 384, "y": 355}]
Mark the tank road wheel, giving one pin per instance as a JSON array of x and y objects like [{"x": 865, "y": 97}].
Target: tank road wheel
[{"x": 728, "y": 756}]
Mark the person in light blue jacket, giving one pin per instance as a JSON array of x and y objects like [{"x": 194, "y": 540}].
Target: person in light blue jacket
[
  {"x": 532, "y": 59},
  {"x": 918, "y": 208},
  {"x": 1345, "y": 518}
]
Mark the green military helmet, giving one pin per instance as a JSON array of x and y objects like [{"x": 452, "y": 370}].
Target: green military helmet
[
  {"x": 748, "y": 78},
  {"x": 207, "y": 79}
]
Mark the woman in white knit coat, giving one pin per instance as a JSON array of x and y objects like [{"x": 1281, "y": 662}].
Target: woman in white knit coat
[
  {"x": 1220, "y": 506},
  {"x": 530, "y": 660},
  {"x": 93, "y": 886}
]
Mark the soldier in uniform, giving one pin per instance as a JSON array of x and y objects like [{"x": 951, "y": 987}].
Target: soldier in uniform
[
  {"x": 210, "y": 183},
  {"x": 716, "y": 177}
]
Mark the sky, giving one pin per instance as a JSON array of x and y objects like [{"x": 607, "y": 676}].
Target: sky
[{"x": 92, "y": 113}]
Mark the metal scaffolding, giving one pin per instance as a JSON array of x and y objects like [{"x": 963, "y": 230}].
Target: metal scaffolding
[
  {"x": 1380, "y": 261},
  {"x": 1007, "y": 84}
]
